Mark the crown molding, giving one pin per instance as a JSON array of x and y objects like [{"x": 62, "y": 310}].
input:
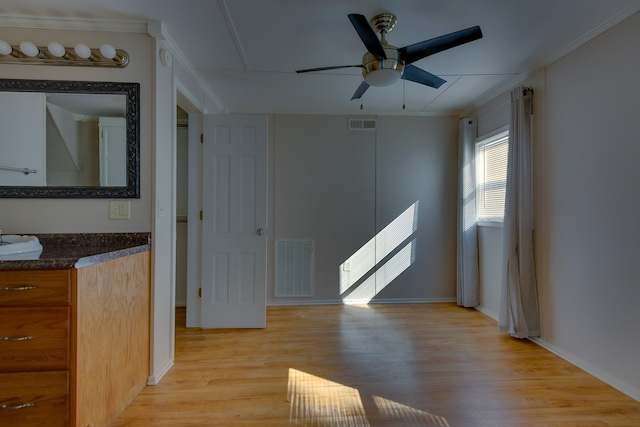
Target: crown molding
[
  {"x": 589, "y": 35},
  {"x": 75, "y": 24},
  {"x": 595, "y": 31},
  {"x": 158, "y": 30}
]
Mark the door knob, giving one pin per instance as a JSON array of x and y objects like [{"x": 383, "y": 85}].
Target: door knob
[{"x": 260, "y": 231}]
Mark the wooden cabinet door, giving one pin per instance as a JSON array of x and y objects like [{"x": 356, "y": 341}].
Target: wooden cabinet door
[
  {"x": 29, "y": 399},
  {"x": 26, "y": 287},
  {"x": 34, "y": 338}
]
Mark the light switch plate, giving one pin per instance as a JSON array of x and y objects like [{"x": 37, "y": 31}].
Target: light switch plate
[{"x": 119, "y": 209}]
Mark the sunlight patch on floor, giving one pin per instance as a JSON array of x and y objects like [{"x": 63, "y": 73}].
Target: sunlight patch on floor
[
  {"x": 402, "y": 415},
  {"x": 318, "y": 402}
]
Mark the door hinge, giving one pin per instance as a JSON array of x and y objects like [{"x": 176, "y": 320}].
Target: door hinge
[
  {"x": 201, "y": 138},
  {"x": 200, "y": 292},
  {"x": 201, "y": 215}
]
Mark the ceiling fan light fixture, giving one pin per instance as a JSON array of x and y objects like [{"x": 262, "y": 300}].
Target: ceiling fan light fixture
[
  {"x": 382, "y": 71},
  {"x": 382, "y": 77}
]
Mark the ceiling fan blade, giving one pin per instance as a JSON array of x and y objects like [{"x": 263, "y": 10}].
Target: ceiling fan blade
[
  {"x": 418, "y": 75},
  {"x": 360, "y": 91},
  {"x": 310, "y": 70},
  {"x": 423, "y": 49},
  {"x": 367, "y": 35}
]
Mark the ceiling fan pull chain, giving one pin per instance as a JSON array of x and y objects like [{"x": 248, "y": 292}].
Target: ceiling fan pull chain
[
  {"x": 361, "y": 80},
  {"x": 404, "y": 106}
]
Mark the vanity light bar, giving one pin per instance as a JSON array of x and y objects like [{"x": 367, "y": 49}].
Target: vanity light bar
[{"x": 56, "y": 54}]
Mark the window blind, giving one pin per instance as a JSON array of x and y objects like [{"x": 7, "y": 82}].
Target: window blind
[{"x": 491, "y": 166}]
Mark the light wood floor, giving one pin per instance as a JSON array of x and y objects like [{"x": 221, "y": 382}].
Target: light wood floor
[{"x": 381, "y": 365}]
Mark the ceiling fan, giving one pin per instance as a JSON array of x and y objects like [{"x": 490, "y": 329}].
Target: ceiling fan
[{"x": 384, "y": 64}]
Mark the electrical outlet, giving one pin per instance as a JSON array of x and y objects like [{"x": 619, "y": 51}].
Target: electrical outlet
[
  {"x": 119, "y": 209},
  {"x": 346, "y": 266}
]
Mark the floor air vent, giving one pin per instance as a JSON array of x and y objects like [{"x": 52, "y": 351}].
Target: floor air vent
[
  {"x": 363, "y": 124},
  {"x": 294, "y": 268}
]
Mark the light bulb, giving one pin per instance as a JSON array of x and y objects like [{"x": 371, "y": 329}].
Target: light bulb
[
  {"x": 5, "y": 48},
  {"x": 29, "y": 49},
  {"x": 382, "y": 77},
  {"x": 108, "y": 51},
  {"x": 83, "y": 51},
  {"x": 56, "y": 49}
]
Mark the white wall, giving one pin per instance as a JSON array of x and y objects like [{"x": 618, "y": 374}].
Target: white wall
[
  {"x": 164, "y": 218},
  {"x": 324, "y": 190},
  {"x": 586, "y": 229},
  {"x": 341, "y": 187},
  {"x": 589, "y": 286},
  {"x": 417, "y": 161},
  {"x": 490, "y": 265}
]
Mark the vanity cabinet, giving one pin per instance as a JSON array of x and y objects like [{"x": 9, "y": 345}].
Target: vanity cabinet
[
  {"x": 74, "y": 343},
  {"x": 35, "y": 339}
]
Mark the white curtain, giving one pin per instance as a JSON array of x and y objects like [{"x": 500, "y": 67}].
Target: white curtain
[
  {"x": 519, "y": 299},
  {"x": 467, "y": 257}
]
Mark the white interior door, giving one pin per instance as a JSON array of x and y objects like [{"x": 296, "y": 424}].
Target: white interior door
[
  {"x": 234, "y": 200},
  {"x": 113, "y": 151}
]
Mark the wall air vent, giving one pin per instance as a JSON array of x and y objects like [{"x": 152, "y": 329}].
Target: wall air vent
[
  {"x": 363, "y": 124},
  {"x": 294, "y": 268}
]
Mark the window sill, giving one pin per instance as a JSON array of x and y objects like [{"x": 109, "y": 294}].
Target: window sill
[{"x": 494, "y": 224}]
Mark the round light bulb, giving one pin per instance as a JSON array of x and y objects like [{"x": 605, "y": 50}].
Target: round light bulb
[
  {"x": 29, "y": 49},
  {"x": 5, "y": 48},
  {"x": 56, "y": 49},
  {"x": 108, "y": 51},
  {"x": 82, "y": 50}
]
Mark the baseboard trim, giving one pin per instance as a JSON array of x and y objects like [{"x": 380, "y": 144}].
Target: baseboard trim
[
  {"x": 622, "y": 387},
  {"x": 491, "y": 314},
  {"x": 155, "y": 378},
  {"x": 630, "y": 391},
  {"x": 359, "y": 302}
]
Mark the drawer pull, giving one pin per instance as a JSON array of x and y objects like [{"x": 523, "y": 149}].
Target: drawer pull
[
  {"x": 19, "y": 288},
  {"x": 28, "y": 337},
  {"x": 21, "y": 406}
]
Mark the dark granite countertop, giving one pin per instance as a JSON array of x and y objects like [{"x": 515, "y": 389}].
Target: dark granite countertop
[{"x": 80, "y": 250}]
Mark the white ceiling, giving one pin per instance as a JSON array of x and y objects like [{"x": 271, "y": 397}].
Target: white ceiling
[{"x": 248, "y": 50}]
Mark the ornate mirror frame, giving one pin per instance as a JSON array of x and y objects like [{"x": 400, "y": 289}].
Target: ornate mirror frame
[{"x": 132, "y": 92}]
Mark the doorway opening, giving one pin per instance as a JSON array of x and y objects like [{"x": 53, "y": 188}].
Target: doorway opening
[{"x": 182, "y": 205}]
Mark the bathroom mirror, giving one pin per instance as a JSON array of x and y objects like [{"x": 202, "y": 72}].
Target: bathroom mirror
[{"x": 69, "y": 139}]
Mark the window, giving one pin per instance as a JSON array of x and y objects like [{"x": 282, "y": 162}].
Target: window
[{"x": 491, "y": 176}]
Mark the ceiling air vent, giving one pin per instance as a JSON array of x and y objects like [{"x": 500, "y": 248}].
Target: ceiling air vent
[{"x": 363, "y": 124}]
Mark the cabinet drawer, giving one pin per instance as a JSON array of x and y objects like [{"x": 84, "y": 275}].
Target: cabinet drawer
[
  {"x": 35, "y": 287},
  {"x": 34, "y": 338},
  {"x": 34, "y": 399}
]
